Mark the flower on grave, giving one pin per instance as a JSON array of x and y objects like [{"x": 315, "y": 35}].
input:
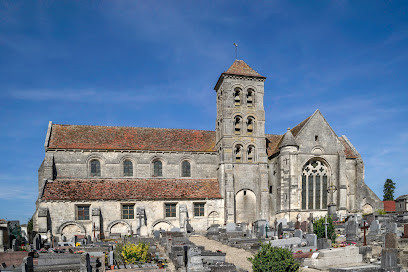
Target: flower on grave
[
  {"x": 299, "y": 252},
  {"x": 311, "y": 250},
  {"x": 78, "y": 244}
]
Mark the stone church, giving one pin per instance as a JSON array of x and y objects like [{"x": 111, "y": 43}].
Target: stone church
[{"x": 106, "y": 181}]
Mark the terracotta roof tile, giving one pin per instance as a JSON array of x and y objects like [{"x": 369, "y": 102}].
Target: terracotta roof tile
[
  {"x": 133, "y": 189},
  {"x": 130, "y": 138},
  {"x": 272, "y": 143},
  {"x": 239, "y": 67},
  {"x": 295, "y": 131}
]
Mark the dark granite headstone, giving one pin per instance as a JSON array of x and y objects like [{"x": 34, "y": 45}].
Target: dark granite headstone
[
  {"x": 405, "y": 231},
  {"x": 280, "y": 230},
  {"x": 37, "y": 242},
  {"x": 27, "y": 265},
  {"x": 303, "y": 226}
]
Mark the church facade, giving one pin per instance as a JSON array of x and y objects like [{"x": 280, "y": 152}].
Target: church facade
[{"x": 106, "y": 181}]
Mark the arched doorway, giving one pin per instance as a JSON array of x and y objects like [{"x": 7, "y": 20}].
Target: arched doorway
[
  {"x": 212, "y": 218},
  {"x": 70, "y": 229},
  {"x": 162, "y": 225},
  {"x": 245, "y": 206},
  {"x": 119, "y": 227}
]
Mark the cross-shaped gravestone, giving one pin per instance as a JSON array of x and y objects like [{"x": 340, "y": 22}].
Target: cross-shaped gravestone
[
  {"x": 325, "y": 226},
  {"x": 331, "y": 189},
  {"x": 286, "y": 161},
  {"x": 365, "y": 227}
]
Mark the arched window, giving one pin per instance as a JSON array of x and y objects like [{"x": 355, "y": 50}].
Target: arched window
[
  {"x": 127, "y": 168},
  {"x": 314, "y": 185},
  {"x": 157, "y": 168},
  {"x": 237, "y": 97},
  {"x": 251, "y": 153},
  {"x": 250, "y": 125},
  {"x": 238, "y": 153},
  {"x": 250, "y": 97},
  {"x": 237, "y": 124},
  {"x": 95, "y": 168},
  {"x": 185, "y": 169}
]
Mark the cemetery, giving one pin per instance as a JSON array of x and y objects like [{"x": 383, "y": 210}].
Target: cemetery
[{"x": 357, "y": 242}]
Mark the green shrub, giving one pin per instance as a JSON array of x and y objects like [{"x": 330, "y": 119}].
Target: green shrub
[
  {"x": 319, "y": 229},
  {"x": 381, "y": 212},
  {"x": 274, "y": 259},
  {"x": 139, "y": 253}
]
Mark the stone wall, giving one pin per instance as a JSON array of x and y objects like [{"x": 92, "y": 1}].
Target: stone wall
[{"x": 62, "y": 216}]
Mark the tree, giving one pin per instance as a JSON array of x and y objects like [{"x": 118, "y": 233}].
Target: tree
[
  {"x": 275, "y": 259},
  {"x": 319, "y": 228},
  {"x": 389, "y": 187}
]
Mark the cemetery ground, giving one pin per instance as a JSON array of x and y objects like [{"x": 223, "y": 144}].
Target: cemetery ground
[{"x": 373, "y": 242}]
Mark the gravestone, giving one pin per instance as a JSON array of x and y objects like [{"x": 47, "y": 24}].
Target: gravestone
[
  {"x": 14, "y": 245},
  {"x": 297, "y": 225},
  {"x": 405, "y": 231},
  {"x": 259, "y": 228},
  {"x": 37, "y": 242},
  {"x": 189, "y": 228},
  {"x": 311, "y": 240},
  {"x": 310, "y": 223},
  {"x": 291, "y": 225},
  {"x": 111, "y": 258},
  {"x": 303, "y": 226},
  {"x": 27, "y": 265},
  {"x": 231, "y": 227},
  {"x": 391, "y": 227},
  {"x": 213, "y": 230},
  {"x": 390, "y": 240},
  {"x": 156, "y": 234},
  {"x": 174, "y": 229},
  {"x": 280, "y": 230},
  {"x": 351, "y": 230},
  {"x": 374, "y": 228},
  {"x": 289, "y": 242},
  {"x": 298, "y": 233},
  {"x": 323, "y": 243},
  {"x": 389, "y": 255},
  {"x": 143, "y": 231},
  {"x": 195, "y": 261}
]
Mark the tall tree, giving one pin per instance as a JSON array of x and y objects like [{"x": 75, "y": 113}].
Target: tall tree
[{"x": 389, "y": 187}]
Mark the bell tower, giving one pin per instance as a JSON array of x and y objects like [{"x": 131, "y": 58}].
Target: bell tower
[{"x": 241, "y": 143}]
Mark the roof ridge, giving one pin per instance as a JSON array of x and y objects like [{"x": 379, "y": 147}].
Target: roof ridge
[{"x": 189, "y": 129}]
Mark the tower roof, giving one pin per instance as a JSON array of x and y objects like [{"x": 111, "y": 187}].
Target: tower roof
[
  {"x": 288, "y": 140},
  {"x": 239, "y": 68}
]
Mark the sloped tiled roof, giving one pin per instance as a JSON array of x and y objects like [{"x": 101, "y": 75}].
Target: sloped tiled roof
[
  {"x": 295, "y": 131},
  {"x": 239, "y": 67},
  {"x": 272, "y": 143},
  {"x": 130, "y": 138},
  {"x": 348, "y": 151},
  {"x": 132, "y": 189}
]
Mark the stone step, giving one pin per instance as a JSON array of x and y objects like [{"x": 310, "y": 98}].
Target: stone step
[{"x": 357, "y": 268}]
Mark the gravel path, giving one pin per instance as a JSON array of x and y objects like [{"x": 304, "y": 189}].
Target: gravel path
[{"x": 234, "y": 255}]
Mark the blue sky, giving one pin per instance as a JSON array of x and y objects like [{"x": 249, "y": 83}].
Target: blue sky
[{"x": 155, "y": 63}]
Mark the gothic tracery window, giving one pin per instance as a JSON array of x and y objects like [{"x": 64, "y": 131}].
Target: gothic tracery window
[{"x": 314, "y": 185}]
